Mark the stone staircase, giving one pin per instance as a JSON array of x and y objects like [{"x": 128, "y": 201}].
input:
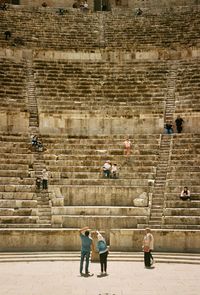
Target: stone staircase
[
  {"x": 43, "y": 201},
  {"x": 170, "y": 102},
  {"x": 43, "y": 197},
  {"x": 159, "y": 257},
  {"x": 155, "y": 220},
  {"x": 157, "y": 206},
  {"x": 32, "y": 101}
]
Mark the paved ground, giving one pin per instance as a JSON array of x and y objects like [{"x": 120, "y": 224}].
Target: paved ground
[{"x": 125, "y": 278}]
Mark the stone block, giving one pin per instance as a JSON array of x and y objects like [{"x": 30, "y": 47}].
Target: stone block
[{"x": 142, "y": 200}]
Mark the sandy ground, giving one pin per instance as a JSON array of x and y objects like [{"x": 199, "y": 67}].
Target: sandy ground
[{"x": 124, "y": 278}]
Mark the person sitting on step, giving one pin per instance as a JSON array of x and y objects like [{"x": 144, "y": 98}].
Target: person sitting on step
[
  {"x": 114, "y": 171},
  {"x": 185, "y": 194},
  {"x": 169, "y": 128},
  {"x": 107, "y": 169}
]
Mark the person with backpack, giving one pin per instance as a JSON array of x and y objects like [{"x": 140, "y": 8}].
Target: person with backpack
[{"x": 102, "y": 248}]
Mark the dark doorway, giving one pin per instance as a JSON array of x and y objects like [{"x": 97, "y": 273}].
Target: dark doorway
[{"x": 102, "y": 5}]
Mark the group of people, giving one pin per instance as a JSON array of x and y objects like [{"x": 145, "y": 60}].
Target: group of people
[
  {"x": 83, "y": 5},
  {"x": 43, "y": 181},
  {"x": 101, "y": 247},
  {"x": 110, "y": 170},
  {"x": 86, "y": 246},
  {"x": 179, "y": 125}
]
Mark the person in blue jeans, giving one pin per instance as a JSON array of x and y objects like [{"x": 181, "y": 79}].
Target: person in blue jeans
[{"x": 86, "y": 244}]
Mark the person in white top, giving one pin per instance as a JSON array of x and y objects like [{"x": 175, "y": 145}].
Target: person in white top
[
  {"x": 45, "y": 176},
  {"x": 114, "y": 171},
  {"x": 148, "y": 246},
  {"x": 107, "y": 169}
]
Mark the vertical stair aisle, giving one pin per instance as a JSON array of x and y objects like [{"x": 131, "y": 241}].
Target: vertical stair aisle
[
  {"x": 156, "y": 214},
  {"x": 43, "y": 197}
]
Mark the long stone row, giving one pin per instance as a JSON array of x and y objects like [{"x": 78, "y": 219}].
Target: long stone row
[{"x": 47, "y": 29}]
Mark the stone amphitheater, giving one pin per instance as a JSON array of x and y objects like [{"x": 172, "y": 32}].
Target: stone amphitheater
[{"x": 83, "y": 82}]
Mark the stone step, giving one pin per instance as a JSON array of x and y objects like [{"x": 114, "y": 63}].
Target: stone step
[
  {"x": 101, "y": 210},
  {"x": 159, "y": 257},
  {"x": 105, "y": 222}
]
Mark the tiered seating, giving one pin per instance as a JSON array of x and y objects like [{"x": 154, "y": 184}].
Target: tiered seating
[
  {"x": 76, "y": 168},
  {"x": 133, "y": 88},
  {"x": 17, "y": 188},
  {"x": 13, "y": 85},
  {"x": 188, "y": 87},
  {"x": 170, "y": 29},
  {"x": 44, "y": 28},
  {"x": 184, "y": 170}
]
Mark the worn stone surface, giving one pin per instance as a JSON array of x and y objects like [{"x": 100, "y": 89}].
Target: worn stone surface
[{"x": 125, "y": 278}]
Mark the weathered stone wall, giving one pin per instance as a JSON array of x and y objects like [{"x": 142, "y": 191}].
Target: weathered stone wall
[
  {"x": 14, "y": 121},
  {"x": 92, "y": 125},
  {"x": 120, "y": 240},
  {"x": 39, "y": 240},
  {"x": 165, "y": 240}
]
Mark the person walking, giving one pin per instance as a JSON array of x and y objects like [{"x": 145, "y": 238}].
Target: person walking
[
  {"x": 127, "y": 147},
  {"x": 148, "y": 245},
  {"x": 103, "y": 253},
  {"x": 86, "y": 244}
]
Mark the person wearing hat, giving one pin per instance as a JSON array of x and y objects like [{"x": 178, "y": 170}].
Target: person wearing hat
[
  {"x": 103, "y": 252},
  {"x": 107, "y": 169}
]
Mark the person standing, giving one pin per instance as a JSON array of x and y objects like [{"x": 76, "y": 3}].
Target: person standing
[
  {"x": 86, "y": 244},
  {"x": 103, "y": 253},
  {"x": 148, "y": 245},
  {"x": 45, "y": 176},
  {"x": 127, "y": 147},
  {"x": 179, "y": 124}
]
